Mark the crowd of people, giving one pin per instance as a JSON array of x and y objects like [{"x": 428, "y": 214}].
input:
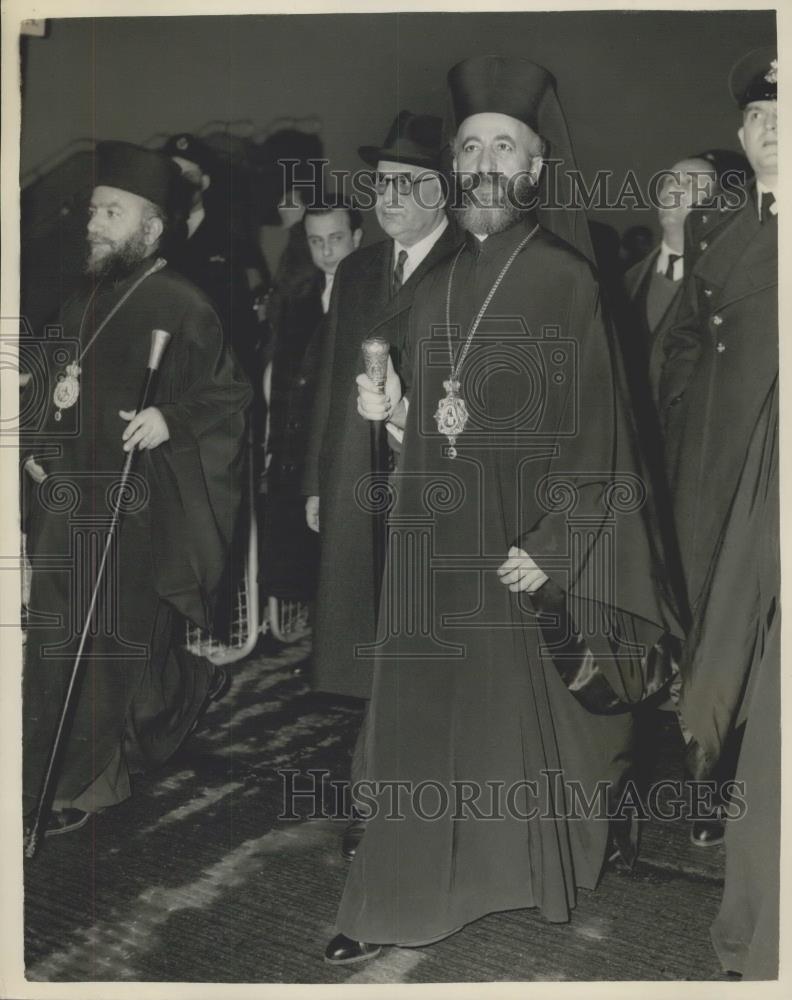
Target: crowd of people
[{"x": 553, "y": 512}]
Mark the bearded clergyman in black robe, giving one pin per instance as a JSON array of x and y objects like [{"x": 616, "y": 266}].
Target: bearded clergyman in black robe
[
  {"x": 136, "y": 701},
  {"x": 522, "y": 605}
]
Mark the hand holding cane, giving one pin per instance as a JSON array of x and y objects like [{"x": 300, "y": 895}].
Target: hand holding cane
[
  {"x": 159, "y": 341},
  {"x": 376, "y": 351}
]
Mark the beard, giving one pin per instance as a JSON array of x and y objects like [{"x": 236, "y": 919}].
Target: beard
[
  {"x": 495, "y": 204},
  {"x": 120, "y": 260}
]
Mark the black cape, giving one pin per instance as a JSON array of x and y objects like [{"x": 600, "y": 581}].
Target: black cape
[{"x": 176, "y": 524}]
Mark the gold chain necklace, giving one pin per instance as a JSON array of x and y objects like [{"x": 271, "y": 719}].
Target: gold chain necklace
[
  {"x": 67, "y": 386},
  {"x": 452, "y": 413}
]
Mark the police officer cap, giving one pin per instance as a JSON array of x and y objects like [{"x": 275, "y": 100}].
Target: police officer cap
[
  {"x": 188, "y": 147},
  {"x": 495, "y": 84},
  {"x": 144, "y": 172},
  {"x": 755, "y": 76}
]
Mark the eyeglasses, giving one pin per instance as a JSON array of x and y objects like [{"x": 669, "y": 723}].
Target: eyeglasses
[{"x": 403, "y": 183}]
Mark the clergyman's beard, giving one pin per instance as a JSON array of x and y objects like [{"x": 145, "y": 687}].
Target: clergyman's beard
[
  {"x": 121, "y": 261},
  {"x": 494, "y": 205}
]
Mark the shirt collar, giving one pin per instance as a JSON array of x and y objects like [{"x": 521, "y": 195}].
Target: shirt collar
[
  {"x": 194, "y": 219},
  {"x": 420, "y": 250},
  {"x": 327, "y": 290}
]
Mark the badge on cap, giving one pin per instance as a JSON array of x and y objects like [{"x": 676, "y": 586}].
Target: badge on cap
[{"x": 772, "y": 74}]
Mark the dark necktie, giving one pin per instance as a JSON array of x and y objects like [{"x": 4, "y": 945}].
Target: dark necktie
[
  {"x": 768, "y": 200},
  {"x": 397, "y": 277},
  {"x": 672, "y": 259}
]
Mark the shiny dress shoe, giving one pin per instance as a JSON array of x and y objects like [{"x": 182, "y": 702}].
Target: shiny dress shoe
[
  {"x": 351, "y": 838},
  {"x": 707, "y": 832},
  {"x": 344, "y": 951}
]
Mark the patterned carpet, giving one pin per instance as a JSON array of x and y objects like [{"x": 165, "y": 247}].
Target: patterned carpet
[{"x": 196, "y": 879}]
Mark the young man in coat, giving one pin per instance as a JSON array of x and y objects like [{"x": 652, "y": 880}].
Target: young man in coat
[
  {"x": 372, "y": 294},
  {"x": 297, "y": 315},
  {"x": 137, "y": 701},
  {"x": 516, "y": 441}
]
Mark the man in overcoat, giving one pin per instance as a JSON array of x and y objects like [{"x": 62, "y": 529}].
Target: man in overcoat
[
  {"x": 372, "y": 294},
  {"x": 721, "y": 357},
  {"x": 653, "y": 285}
]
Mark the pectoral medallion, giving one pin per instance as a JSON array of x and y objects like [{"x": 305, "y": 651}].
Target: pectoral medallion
[
  {"x": 67, "y": 389},
  {"x": 451, "y": 415}
]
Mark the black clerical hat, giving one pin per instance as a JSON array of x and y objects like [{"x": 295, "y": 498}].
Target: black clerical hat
[
  {"x": 755, "y": 77},
  {"x": 144, "y": 172},
  {"x": 508, "y": 86},
  {"x": 413, "y": 139},
  {"x": 523, "y": 90}
]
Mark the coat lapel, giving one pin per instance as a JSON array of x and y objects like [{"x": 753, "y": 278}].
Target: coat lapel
[
  {"x": 746, "y": 258},
  {"x": 403, "y": 300},
  {"x": 758, "y": 268},
  {"x": 374, "y": 286},
  {"x": 636, "y": 276}
]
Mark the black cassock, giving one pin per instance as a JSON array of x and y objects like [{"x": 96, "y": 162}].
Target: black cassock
[
  {"x": 136, "y": 701},
  {"x": 463, "y": 698}
]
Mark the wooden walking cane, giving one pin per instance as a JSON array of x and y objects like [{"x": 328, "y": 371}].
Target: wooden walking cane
[
  {"x": 159, "y": 341},
  {"x": 375, "y": 357}
]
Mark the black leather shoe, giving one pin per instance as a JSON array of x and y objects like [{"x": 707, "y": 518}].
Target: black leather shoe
[
  {"x": 351, "y": 838},
  {"x": 219, "y": 686},
  {"x": 707, "y": 832},
  {"x": 344, "y": 951}
]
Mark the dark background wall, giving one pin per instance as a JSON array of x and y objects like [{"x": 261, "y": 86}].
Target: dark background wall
[{"x": 639, "y": 89}]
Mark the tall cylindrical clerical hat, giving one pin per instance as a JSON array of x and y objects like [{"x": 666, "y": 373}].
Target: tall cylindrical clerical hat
[
  {"x": 521, "y": 89},
  {"x": 144, "y": 172},
  {"x": 508, "y": 86}
]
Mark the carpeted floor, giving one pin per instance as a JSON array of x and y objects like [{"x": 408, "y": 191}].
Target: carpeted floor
[{"x": 196, "y": 879}]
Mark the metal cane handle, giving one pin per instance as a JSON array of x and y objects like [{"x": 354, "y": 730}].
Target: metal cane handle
[
  {"x": 159, "y": 341},
  {"x": 375, "y": 358}
]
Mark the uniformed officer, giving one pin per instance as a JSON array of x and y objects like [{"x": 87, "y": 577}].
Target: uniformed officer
[
  {"x": 210, "y": 252},
  {"x": 721, "y": 365}
]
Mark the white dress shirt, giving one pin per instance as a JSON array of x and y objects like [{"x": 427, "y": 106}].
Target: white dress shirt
[
  {"x": 420, "y": 250},
  {"x": 327, "y": 291},
  {"x": 194, "y": 219}
]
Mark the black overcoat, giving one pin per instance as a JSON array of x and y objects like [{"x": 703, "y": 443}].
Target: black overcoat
[
  {"x": 339, "y": 455},
  {"x": 721, "y": 360}
]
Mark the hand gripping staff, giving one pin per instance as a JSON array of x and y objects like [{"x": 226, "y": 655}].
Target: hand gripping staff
[
  {"x": 375, "y": 358},
  {"x": 159, "y": 342}
]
